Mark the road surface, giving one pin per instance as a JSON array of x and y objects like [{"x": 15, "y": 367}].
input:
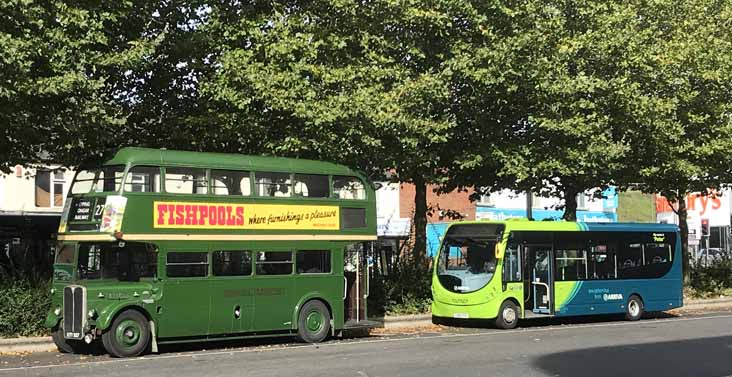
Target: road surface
[{"x": 695, "y": 346}]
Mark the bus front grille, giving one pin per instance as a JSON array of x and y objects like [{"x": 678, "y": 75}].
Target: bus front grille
[{"x": 74, "y": 311}]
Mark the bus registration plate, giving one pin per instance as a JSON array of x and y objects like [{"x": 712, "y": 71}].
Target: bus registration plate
[{"x": 461, "y": 315}]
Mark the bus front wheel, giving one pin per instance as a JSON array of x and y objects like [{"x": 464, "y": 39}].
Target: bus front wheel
[
  {"x": 634, "y": 308},
  {"x": 508, "y": 315},
  {"x": 128, "y": 336},
  {"x": 66, "y": 345},
  {"x": 313, "y": 323}
]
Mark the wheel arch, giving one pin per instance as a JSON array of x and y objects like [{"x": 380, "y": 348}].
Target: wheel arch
[{"x": 105, "y": 320}]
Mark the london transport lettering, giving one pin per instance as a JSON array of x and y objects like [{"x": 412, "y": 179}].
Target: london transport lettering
[{"x": 244, "y": 216}]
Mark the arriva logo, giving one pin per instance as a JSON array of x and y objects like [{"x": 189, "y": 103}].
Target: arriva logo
[{"x": 612, "y": 296}]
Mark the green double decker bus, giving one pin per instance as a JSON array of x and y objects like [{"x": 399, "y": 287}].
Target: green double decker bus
[{"x": 159, "y": 246}]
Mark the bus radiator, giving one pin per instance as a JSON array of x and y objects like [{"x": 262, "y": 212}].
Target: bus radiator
[{"x": 74, "y": 311}]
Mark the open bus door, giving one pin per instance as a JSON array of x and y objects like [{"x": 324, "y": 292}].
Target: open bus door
[
  {"x": 356, "y": 275},
  {"x": 538, "y": 292}
]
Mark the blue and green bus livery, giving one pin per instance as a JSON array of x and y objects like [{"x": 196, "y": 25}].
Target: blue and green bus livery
[{"x": 518, "y": 269}]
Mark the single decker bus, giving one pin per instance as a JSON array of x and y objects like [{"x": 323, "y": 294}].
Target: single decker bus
[
  {"x": 516, "y": 269},
  {"x": 159, "y": 246}
]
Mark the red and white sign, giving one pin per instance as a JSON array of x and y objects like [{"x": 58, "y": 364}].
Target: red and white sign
[{"x": 715, "y": 207}]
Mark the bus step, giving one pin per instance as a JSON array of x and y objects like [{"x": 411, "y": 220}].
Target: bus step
[
  {"x": 363, "y": 324},
  {"x": 531, "y": 314}
]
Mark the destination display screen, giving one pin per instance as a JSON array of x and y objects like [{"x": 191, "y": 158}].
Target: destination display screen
[{"x": 86, "y": 209}]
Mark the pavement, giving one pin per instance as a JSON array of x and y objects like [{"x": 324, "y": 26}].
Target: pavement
[
  {"x": 44, "y": 343},
  {"x": 669, "y": 345}
]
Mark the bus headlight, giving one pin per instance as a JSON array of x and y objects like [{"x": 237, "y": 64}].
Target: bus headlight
[
  {"x": 57, "y": 312},
  {"x": 92, "y": 314}
]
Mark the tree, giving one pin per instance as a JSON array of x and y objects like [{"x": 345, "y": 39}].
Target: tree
[
  {"x": 81, "y": 78},
  {"x": 49, "y": 95},
  {"x": 383, "y": 86},
  {"x": 683, "y": 100},
  {"x": 571, "y": 136}
]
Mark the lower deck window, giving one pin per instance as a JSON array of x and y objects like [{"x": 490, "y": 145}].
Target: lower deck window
[
  {"x": 313, "y": 262},
  {"x": 187, "y": 264},
  {"x": 124, "y": 261},
  {"x": 274, "y": 263},
  {"x": 232, "y": 263}
]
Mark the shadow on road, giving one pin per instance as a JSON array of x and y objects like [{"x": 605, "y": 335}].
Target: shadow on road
[{"x": 695, "y": 357}]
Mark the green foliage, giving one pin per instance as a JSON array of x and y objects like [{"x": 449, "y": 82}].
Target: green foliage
[
  {"x": 405, "y": 291},
  {"x": 710, "y": 279},
  {"x": 24, "y": 307}
]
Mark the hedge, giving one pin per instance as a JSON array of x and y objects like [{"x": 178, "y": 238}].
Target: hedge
[{"x": 23, "y": 308}]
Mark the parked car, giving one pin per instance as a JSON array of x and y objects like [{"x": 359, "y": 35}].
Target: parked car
[{"x": 712, "y": 255}]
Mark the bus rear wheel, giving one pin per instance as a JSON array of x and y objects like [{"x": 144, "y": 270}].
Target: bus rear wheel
[
  {"x": 128, "y": 336},
  {"x": 634, "y": 308},
  {"x": 313, "y": 323},
  {"x": 508, "y": 316}
]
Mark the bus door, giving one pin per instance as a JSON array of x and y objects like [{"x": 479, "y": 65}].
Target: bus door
[
  {"x": 231, "y": 291},
  {"x": 185, "y": 299},
  {"x": 355, "y": 280},
  {"x": 540, "y": 278},
  {"x": 273, "y": 287}
]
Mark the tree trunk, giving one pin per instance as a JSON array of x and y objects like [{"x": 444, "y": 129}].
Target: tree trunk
[
  {"x": 684, "y": 229},
  {"x": 570, "y": 205},
  {"x": 420, "y": 220}
]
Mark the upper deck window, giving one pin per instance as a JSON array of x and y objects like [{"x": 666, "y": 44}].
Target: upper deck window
[
  {"x": 311, "y": 185},
  {"x": 143, "y": 179},
  {"x": 83, "y": 182},
  {"x": 273, "y": 184},
  {"x": 105, "y": 179},
  {"x": 231, "y": 182},
  {"x": 185, "y": 180},
  {"x": 109, "y": 179},
  {"x": 348, "y": 188}
]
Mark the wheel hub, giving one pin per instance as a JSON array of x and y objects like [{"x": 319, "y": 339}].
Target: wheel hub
[
  {"x": 314, "y": 321},
  {"x": 509, "y": 315},
  {"x": 128, "y": 333}
]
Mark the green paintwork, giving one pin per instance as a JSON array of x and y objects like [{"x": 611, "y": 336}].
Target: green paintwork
[
  {"x": 485, "y": 303},
  {"x": 564, "y": 292},
  {"x": 205, "y": 307}
]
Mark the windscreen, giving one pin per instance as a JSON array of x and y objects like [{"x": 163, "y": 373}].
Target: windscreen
[
  {"x": 467, "y": 260},
  {"x": 103, "y": 179},
  {"x": 124, "y": 261}
]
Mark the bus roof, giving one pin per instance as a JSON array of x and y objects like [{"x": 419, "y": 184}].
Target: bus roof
[
  {"x": 527, "y": 225},
  {"x": 149, "y": 156}
]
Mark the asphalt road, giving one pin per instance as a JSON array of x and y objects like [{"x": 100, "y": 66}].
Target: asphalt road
[{"x": 674, "y": 346}]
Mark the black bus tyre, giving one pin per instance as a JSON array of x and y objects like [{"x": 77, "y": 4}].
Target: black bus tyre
[
  {"x": 440, "y": 321},
  {"x": 128, "y": 336},
  {"x": 634, "y": 308},
  {"x": 66, "y": 345},
  {"x": 508, "y": 315},
  {"x": 313, "y": 323}
]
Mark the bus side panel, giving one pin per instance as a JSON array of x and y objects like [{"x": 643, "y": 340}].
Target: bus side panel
[{"x": 610, "y": 296}]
